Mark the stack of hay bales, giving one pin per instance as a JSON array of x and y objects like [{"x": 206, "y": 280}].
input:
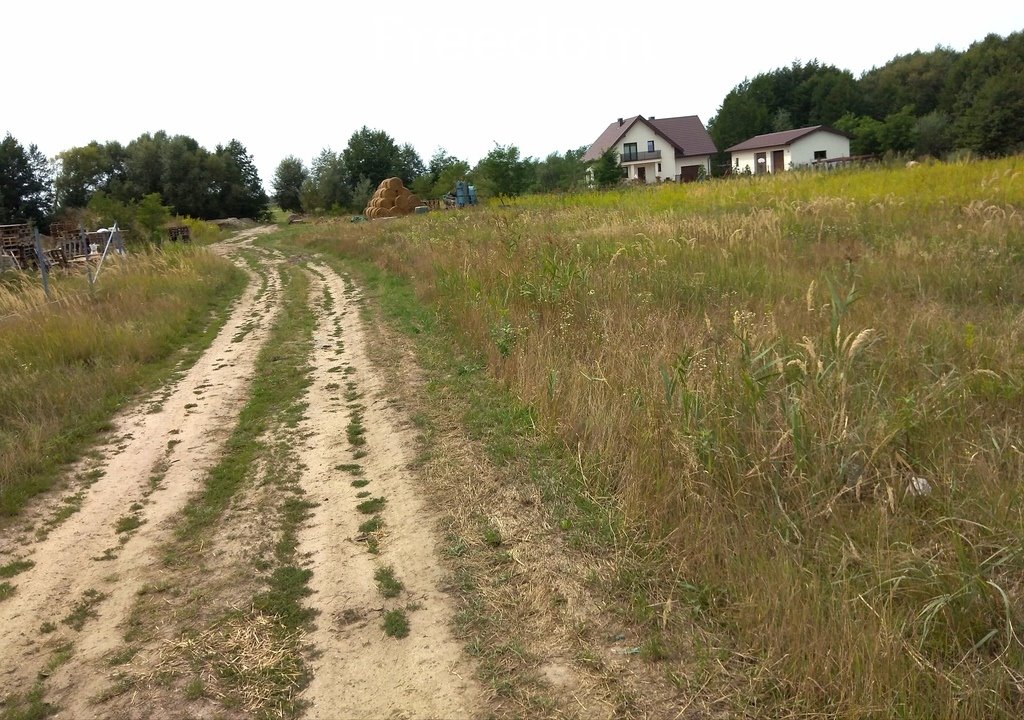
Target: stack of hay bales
[{"x": 391, "y": 199}]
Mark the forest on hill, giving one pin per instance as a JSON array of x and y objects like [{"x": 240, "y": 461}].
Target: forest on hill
[{"x": 921, "y": 104}]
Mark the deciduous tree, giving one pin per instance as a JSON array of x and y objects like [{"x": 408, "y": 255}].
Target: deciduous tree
[
  {"x": 288, "y": 180},
  {"x": 371, "y": 154}
]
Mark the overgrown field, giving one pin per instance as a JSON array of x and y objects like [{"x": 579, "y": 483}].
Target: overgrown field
[
  {"x": 809, "y": 389},
  {"x": 65, "y": 365}
]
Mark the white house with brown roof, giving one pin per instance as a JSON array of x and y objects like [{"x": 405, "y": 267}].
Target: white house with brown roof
[
  {"x": 780, "y": 151},
  {"x": 651, "y": 150}
]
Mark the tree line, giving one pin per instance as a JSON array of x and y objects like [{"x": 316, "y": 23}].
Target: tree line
[
  {"x": 925, "y": 103},
  {"x": 344, "y": 181},
  {"x": 121, "y": 182}
]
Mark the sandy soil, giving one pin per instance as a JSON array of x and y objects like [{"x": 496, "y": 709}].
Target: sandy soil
[{"x": 359, "y": 672}]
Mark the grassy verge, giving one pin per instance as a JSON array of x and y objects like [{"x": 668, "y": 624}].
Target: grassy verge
[
  {"x": 807, "y": 388},
  {"x": 66, "y": 367},
  {"x": 492, "y": 619}
]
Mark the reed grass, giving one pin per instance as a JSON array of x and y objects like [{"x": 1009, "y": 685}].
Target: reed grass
[
  {"x": 764, "y": 369},
  {"x": 66, "y": 364}
]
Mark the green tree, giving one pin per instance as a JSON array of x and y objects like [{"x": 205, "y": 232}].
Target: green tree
[
  {"x": 607, "y": 171},
  {"x": 25, "y": 183},
  {"x": 934, "y": 134},
  {"x": 740, "y": 116},
  {"x": 152, "y": 215},
  {"x": 442, "y": 172},
  {"x": 371, "y": 154},
  {"x": 866, "y": 131},
  {"x": 503, "y": 172},
  {"x": 84, "y": 171},
  {"x": 239, "y": 188},
  {"x": 898, "y": 131},
  {"x": 409, "y": 165},
  {"x": 288, "y": 180},
  {"x": 561, "y": 172},
  {"x": 362, "y": 193},
  {"x": 107, "y": 210},
  {"x": 186, "y": 178},
  {"x": 327, "y": 188},
  {"x": 987, "y": 95},
  {"x": 918, "y": 80},
  {"x": 144, "y": 164}
]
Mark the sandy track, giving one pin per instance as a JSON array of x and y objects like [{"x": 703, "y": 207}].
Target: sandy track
[
  {"x": 359, "y": 672},
  {"x": 157, "y": 459}
]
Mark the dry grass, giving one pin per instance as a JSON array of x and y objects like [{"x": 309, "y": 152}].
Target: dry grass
[
  {"x": 248, "y": 661},
  {"x": 66, "y": 364},
  {"x": 758, "y": 370}
]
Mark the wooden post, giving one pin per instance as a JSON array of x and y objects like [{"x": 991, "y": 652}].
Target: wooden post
[
  {"x": 82, "y": 238},
  {"x": 44, "y": 271}
]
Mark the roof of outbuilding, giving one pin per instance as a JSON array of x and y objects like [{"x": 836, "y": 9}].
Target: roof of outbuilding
[
  {"x": 686, "y": 134},
  {"x": 786, "y": 137}
]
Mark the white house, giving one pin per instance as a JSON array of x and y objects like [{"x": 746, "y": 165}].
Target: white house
[
  {"x": 651, "y": 150},
  {"x": 780, "y": 151}
]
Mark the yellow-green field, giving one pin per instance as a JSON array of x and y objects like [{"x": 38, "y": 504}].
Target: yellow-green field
[
  {"x": 67, "y": 364},
  {"x": 809, "y": 389}
]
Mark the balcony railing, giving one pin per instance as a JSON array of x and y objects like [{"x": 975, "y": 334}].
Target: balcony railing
[{"x": 640, "y": 156}]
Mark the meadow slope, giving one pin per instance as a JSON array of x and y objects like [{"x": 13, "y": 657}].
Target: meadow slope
[{"x": 806, "y": 391}]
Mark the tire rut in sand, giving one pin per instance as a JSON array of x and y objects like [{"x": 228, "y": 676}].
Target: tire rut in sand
[
  {"x": 89, "y": 568},
  {"x": 355, "y": 436}
]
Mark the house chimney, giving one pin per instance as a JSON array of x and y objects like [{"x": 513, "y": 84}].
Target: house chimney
[
  {"x": 651, "y": 118},
  {"x": 620, "y": 122}
]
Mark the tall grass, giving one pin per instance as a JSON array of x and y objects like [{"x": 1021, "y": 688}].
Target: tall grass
[
  {"x": 66, "y": 364},
  {"x": 763, "y": 368}
]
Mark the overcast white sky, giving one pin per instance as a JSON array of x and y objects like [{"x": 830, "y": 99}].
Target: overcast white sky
[{"x": 290, "y": 78}]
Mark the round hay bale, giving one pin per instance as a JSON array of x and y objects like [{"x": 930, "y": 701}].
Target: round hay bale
[
  {"x": 393, "y": 183},
  {"x": 390, "y": 194}
]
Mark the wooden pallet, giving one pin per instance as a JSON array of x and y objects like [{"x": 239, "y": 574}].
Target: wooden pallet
[{"x": 179, "y": 232}]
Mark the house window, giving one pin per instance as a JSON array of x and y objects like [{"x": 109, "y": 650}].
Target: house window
[
  {"x": 659, "y": 167},
  {"x": 629, "y": 152},
  {"x": 737, "y": 162},
  {"x": 820, "y": 154},
  {"x": 650, "y": 146}
]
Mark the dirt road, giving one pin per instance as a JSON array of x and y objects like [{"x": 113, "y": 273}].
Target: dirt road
[{"x": 94, "y": 550}]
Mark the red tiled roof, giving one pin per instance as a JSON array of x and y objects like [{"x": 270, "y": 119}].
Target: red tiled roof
[
  {"x": 785, "y": 137},
  {"x": 686, "y": 134}
]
